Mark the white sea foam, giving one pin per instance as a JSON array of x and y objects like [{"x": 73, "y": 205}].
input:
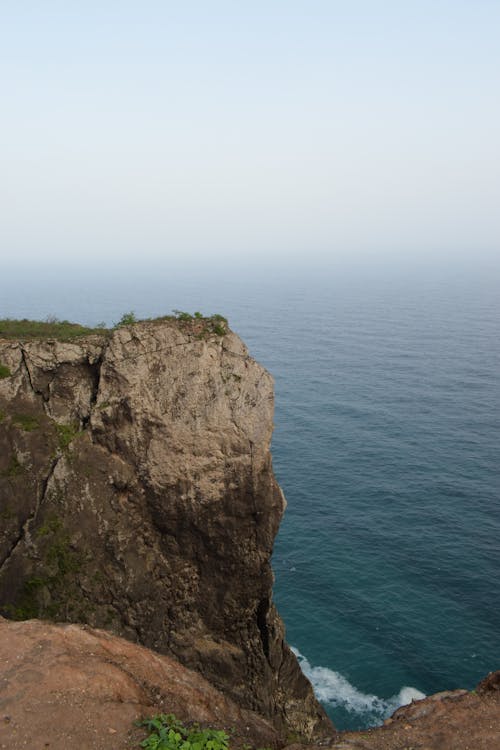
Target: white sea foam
[{"x": 332, "y": 688}]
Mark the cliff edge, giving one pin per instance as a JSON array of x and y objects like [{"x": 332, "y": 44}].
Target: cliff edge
[
  {"x": 137, "y": 495},
  {"x": 71, "y": 686}
]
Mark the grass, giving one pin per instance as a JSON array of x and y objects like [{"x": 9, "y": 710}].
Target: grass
[
  {"x": 168, "y": 733},
  {"x": 63, "y": 330},
  {"x": 65, "y": 434},
  {"x": 26, "y": 422},
  {"x": 44, "y": 329}
]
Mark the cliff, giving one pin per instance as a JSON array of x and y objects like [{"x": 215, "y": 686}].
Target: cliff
[{"x": 137, "y": 495}]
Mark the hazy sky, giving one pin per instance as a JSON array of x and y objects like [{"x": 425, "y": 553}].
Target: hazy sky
[{"x": 159, "y": 129}]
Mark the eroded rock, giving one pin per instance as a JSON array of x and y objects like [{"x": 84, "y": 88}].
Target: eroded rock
[
  {"x": 137, "y": 495},
  {"x": 67, "y": 686}
]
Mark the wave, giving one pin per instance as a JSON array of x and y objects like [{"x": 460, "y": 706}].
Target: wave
[{"x": 335, "y": 690}]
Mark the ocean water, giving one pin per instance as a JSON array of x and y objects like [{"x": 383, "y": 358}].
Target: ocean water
[{"x": 386, "y": 444}]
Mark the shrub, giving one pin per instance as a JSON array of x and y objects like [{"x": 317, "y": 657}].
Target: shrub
[
  {"x": 127, "y": 319},
  {"x": 185, "y": 316},
  {"x": 167, "y": 733}
]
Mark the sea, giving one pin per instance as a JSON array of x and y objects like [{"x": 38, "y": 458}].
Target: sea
[{"x": 386, "y": 444}]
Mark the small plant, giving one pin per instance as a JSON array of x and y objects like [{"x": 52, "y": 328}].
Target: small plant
[
  {"x": 166, "y": 732},
  {"x": 26, "y": 422},
  {"x": 185, "y": 316},
  {"x": 218, "y": 324},
  {"x": 51, "y": 526},
  {"x": 4, "y": 372},
  {"x": 65, "y": 434},
  {"x": 127, "y": 319}
]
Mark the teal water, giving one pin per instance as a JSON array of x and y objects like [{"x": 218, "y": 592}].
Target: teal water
[{"x": 387, "y": 447}]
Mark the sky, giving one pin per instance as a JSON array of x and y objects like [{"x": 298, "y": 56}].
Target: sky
[{"x": 205, "y": 131}]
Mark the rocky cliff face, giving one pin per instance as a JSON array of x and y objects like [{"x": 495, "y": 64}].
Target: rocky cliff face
[{"x": 137, "y": 494}]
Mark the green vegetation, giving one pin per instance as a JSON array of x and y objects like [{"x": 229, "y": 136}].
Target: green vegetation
[
  {"x": 127, "y": 319},
  {"x": 4, "y": 372},
  {"x": 63, "y": 330},
  {"x": 55, "y": 573},
  {"x": 26, "y": 422},
  {"x": 185, "y": 316},
  {"x": 65, "y": 434},
  {"x": 2, "y": 415},
  {"x": 51, "y": 526},
  {"x": 47, "y": 329},
  {"x": 27, "y": 609},
  {"x": 14, "y": 468},
  {"x": 167, "y": 733},
  {"x": 210, "y": 324}
]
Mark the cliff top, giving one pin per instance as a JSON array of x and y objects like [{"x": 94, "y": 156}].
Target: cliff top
[{"x": 64, "y": 330}]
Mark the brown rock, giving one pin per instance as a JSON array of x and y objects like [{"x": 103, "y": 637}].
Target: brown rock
[
  {"x": 491, "y": 683},
  {"x": 66, "y": 686},
  {"x": 452, "y": 720}
]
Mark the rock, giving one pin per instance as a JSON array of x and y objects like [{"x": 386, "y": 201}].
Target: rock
[
  {"x": 137, "y": 495},
  {"x": 490, "y": 684},
  {"x": 452, "y": 720},
  {"x": 68, "y": 686}
]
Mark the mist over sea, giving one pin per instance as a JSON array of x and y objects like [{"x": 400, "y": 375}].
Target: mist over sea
[{"x": 386, "y": 445}]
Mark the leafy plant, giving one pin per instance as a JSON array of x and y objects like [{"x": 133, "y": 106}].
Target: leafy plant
[
  {"x": 166, "y": 732},
  {"x": 4, "y": 372}
]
